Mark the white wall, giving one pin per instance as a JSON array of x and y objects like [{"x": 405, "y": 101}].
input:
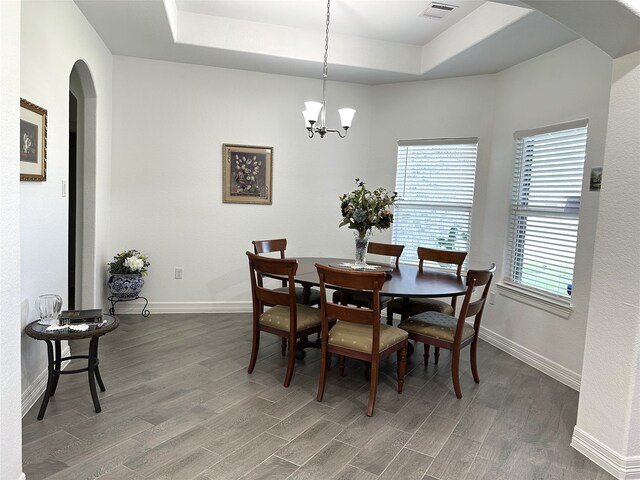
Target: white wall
[
  {"x": 170, "y": 122},
  {"x": 10, "y": 425},
  {"x": 47, "y": 59},
  {"x": 449, "y": 108},
  {"x": 569, "y": 83}
]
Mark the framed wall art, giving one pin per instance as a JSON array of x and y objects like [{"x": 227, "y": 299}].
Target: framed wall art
[
  {"x": 33, "y": 142},
  {"x": 247, "y": 174}
]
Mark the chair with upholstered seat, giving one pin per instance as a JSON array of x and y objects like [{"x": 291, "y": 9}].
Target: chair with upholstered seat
[
  {"x": 275, "y": 311},
  {"x": 419, "y": 305},
  {"x": 361, "y": 299},
  {"x": 446, "y": 331},
  {"x": 358, "y": 332},
  {"x": 279, "y": 245}
]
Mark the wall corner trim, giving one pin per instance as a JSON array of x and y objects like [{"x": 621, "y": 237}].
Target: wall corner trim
[
  {"x": 624, "y": 468},
  {"x": 537, "y": 361}
]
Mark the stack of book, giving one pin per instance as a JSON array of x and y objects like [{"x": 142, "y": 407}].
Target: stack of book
[{"x": 80, "y": 316}]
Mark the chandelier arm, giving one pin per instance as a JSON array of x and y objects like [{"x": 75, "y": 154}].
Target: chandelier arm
[{"x": 333, "y": 130}]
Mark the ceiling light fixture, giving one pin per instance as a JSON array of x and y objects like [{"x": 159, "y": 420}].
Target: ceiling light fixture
[{"x": 313, "y": 109}]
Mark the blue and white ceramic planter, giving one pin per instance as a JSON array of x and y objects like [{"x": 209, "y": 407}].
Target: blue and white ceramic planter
[{"x": 125, "y": 285}]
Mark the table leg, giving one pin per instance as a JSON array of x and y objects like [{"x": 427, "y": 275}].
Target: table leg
[
  {"x": 306, "y": 299},
  {"x": 57, "y": 362},
  {"x": 300, "y": 344},
  {"x": 50, "y": 381},
  {"x": 306, "y": 294},
  {"x": 97, "y": 369},
  {"x": 93, "y": 349},
  {"x": 405, "y": 309}
]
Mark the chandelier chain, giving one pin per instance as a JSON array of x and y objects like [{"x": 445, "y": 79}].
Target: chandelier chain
[{"x": 326, "y": 42}]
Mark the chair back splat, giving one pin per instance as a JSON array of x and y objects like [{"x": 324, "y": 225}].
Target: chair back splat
[
  {"x": 361, "y": 299},
  {"x": 357, "y": 332},
  {"x": 268, "y": 246},
  {"x": 419, "y": 305},
  {"x": 386, "y": 249},
  {"x": 441, "y": 256},
  {"x": 265, "y": 296},
  {"x": 306, "y": 296}
]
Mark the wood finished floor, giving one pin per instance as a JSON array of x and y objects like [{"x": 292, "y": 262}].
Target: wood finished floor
[{"x": 180, "y": 405}]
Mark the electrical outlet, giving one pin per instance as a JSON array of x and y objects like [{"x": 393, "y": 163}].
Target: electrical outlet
[
  {"x": 178, "y": 274},
  {"x": 492, "y": 298}
]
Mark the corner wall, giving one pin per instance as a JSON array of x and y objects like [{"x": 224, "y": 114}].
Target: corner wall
[
  {"x": 608, "y": 425},
  {"x": 10, "y": 327},
  {"x": 47, "y": 60},
  {"x": 568, "y": 83}
]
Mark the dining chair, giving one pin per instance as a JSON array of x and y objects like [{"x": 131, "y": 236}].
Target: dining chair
[
  {"x": 279, "y": 245},
  {"x": 445, "y": 331},
  {"x": 357, "y": 332},
  {"x": 363, "y": 299},
  {"x": 275, "y": 311},
  {"x": 419, "y": 305}
]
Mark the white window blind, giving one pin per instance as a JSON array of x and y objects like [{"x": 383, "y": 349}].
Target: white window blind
[
  {"x": 435, "y": 181},
  {"x": 545, "y": 204}
]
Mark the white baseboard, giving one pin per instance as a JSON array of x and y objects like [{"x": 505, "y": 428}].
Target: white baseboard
[
  {"x": 135, "y": 307},
  {"x": 537, "y": 361},
  {"x": 36, "y": 389},
  {"x": 623, "y": 468}
]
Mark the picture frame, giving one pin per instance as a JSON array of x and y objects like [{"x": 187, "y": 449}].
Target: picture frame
[
  {"x": 247, "y": 174},
  {"x": 33, "y": 142}
]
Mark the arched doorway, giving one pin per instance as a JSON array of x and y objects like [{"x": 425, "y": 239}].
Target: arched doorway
[{"x": 82, "y": 188}]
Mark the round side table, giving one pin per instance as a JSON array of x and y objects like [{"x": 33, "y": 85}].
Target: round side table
[{"x": 54, "y": 337}]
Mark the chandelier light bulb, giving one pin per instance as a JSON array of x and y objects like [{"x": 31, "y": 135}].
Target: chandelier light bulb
[
  {"x": 346, "y": 116},
  {"x": 312, "y": 111}
]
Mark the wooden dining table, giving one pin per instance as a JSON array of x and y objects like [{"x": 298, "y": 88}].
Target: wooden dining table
[{"x": 406, "y": 281}]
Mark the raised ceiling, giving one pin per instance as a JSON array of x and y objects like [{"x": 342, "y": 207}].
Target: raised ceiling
[{"x": 371, "y": 41}]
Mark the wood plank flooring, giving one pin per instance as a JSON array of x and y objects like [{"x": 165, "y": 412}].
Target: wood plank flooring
[{"x": 180, "y": 405}]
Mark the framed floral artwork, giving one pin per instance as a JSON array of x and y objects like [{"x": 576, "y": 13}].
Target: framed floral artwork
[
  {"x": 247, "y": 174},
  {"x": 33, "y": 142}
]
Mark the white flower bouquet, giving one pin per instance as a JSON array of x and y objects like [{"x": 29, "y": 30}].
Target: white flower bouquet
[{"x": 129, "y": 261}]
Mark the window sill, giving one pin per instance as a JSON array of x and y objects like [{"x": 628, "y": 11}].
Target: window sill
[{"x": 521, "y": 295}]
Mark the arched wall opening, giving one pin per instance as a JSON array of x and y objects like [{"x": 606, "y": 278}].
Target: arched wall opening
[{"x": 82, "y": 194}]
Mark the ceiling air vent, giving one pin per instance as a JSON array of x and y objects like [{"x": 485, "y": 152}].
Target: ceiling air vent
[{"x": 437, "y": 10}]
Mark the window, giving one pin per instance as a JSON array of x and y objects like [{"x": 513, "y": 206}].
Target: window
[
  {"x": 545, "y": 203},
  {"x": 434, "y": 181}
]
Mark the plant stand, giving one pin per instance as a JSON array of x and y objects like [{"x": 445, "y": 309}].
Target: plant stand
[{"x": 114, "y": 299}]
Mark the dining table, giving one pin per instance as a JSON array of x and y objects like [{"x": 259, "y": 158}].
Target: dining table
[{"x": 405, "y": 281}]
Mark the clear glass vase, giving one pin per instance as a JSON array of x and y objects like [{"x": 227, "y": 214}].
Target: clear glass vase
[
  {"x": 49, "y": 307},
  {"x": 362, "y": 243}
]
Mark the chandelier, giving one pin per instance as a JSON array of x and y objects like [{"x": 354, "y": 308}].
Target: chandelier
[{"x": 315, "y": 109}]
